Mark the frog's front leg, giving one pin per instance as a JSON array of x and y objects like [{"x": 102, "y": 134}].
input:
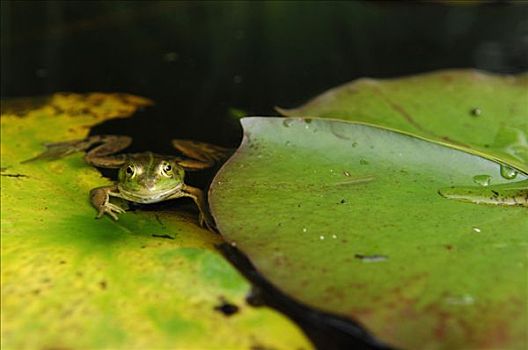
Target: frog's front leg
[
  {"x": 205, "y": 219},
  {"x": 100, "y": 199}
]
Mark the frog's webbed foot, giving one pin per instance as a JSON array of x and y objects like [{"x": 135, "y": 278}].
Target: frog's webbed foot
[
  {"x": 100, "y": 156},
  {"x": 110, "y": 209},
  {"x": 61, "y": 149},
  {"x": 103, "y": 155},
  {"x": 100, "y": 199},
  {"x": 205, "y": 154}
]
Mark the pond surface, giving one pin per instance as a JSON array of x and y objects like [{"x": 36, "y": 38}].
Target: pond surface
[{"x": 206, "y": 62}]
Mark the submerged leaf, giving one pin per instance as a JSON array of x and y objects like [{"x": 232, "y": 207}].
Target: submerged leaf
[
  {"x": 347, "y": 218},
  {"x": 151, "y": 280}
]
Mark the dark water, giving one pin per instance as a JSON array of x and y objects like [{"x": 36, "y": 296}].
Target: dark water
[
  {"x": 198, "y": 60},
  {"x": 201, "y": 60}
]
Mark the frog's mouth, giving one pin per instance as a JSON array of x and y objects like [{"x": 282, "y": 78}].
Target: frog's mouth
[{"x": 149, "y": 196}]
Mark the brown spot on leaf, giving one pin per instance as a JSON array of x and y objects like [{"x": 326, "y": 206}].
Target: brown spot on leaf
[
  {"x": 103, "y": 284},
  {"x": 14, "y": 175},
  {"x": 226, "y": 308},
  {"x": 162, "y": 236}
]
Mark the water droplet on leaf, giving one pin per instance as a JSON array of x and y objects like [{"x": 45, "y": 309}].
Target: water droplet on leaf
[
  {"x": 465, "y": 299},
  {"x": 476, "y": 112},
  {"x": 287, "y": 122},
  {"x": 508, "y": 172},
  {"x": 482, "y": 180}
]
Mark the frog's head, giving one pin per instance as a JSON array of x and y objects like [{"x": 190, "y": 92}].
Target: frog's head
[{"x": 149, "y": 178}]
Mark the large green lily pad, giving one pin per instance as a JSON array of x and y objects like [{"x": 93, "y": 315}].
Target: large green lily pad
[
  {"x": 348, "y": 218},
  {"x": 477, "y": 111},
  {"x": 151, "y": 280}
]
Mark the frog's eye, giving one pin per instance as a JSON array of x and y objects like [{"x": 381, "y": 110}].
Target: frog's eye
[
  {"x": 129, "y": 170},
  {"x": 166, "y": 169}
]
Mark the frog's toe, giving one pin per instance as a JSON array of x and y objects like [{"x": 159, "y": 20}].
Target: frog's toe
[
  {"x": 207, "y": 223},
  {"x": 201, "y": 220},
  {"x": 104, "y": 211},
  {"x": 110, "y": 209},
  {"x": 100, "y": 212},
  {"x": 112, "y": 214},
  {"x": 115, "y": 208}
]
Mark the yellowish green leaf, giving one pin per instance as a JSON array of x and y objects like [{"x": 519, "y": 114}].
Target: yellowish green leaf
[{"x": 151, "y": 280}]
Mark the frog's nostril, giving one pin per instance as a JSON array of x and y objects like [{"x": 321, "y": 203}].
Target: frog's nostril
[{"x": 150, "y": 184}]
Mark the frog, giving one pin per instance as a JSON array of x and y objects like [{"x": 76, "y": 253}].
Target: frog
[{"x": 145, "y": 177}]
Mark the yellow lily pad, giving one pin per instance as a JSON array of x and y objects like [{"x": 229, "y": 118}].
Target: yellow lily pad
[{"x": 150, "y": 280}]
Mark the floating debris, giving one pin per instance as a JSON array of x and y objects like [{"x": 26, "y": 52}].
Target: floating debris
[{"x": 371, "y": 258}]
